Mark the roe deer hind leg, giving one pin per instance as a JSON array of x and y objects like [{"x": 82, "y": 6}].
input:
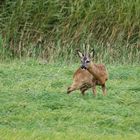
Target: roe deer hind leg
[
  {"x": 72, "y": 88},
  {"x": 83, "y": 89},
  {"x": 104, "y": 89},
  {"x": 94, "y": 89}
]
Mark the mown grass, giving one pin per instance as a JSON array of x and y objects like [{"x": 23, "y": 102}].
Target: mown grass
[{"x": 34, "y": 103}]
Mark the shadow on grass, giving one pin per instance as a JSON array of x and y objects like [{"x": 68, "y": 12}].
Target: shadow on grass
[{"x": 136, "y": 89}]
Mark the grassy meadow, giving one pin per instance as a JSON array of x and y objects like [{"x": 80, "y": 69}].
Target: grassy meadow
[
  {"x": 34, "y": 104},
  {"x": 38, "y": 42}
]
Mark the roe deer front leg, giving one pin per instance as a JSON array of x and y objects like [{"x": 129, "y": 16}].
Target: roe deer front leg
[
  {"x": 94, "y": 89},
  {"x": 104, "y": 89}
]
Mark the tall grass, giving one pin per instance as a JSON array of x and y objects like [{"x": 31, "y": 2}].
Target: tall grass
[{"x": 54, "y": 28}]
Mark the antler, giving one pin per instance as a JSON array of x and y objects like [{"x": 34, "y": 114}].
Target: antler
[
  {"x": 84, "y": 48},
  {"x": 87, "y": 49}
]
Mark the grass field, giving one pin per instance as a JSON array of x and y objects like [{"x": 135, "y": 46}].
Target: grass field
[{"x": 34, "y": 104}]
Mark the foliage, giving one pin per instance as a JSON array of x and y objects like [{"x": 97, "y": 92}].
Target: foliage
[{"x": 54, "y": 28}]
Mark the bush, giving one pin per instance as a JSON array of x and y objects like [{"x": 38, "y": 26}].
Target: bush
[{"x": 53, "y": 29}]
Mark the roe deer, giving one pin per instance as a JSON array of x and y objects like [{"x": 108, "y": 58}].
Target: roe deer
[
  {"x": 83, "y": 80},
  {"x": 98, "y": 71}
]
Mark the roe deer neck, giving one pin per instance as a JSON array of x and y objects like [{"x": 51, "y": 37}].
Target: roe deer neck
[{"x": 95, "y": 72}]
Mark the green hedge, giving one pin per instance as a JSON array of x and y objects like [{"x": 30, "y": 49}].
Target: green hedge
[{"x": 57, "y": 27}]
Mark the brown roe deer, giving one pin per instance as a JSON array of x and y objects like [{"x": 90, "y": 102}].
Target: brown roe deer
[
  {"x": 98, "y": 71},
  {"x": 83, "y": 80}
]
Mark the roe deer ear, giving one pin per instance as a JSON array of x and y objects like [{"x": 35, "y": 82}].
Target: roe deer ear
[
  {"x": 92, "y": 53},
  {"x": 79, "y": 54}
]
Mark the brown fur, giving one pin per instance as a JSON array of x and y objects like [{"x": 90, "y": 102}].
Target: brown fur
[
  {"x": 82, "y": 80},
  {"x": 100, "y": 73}
]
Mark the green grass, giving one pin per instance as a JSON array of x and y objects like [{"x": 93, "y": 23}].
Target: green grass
[{"x": 34, "y": 104}]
